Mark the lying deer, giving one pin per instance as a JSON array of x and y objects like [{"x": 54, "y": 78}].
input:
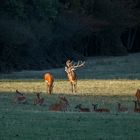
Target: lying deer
[
  {"x": 65, "y": 102},
  {"x": 81, "y": 109},
  {"x": 60, "y": 106},
  {"x": 136, "y": 109},
  {"x": 122, "y": 109},
  {"x": 70, "y": 70},
  {"x": 49, "y": 80},
  {"x": 38, "y": 100},
  {"x": 19, "y": 97},
  {"x": 99, "y": 109}
]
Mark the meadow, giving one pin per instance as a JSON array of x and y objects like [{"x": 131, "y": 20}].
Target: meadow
[{"x": 103, "y": 81}]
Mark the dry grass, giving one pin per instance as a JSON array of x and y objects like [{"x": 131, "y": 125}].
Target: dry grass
[{"x": 84, "y": 87}]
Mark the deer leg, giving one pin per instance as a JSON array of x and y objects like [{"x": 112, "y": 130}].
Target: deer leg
[
  {"x": 75, "y": 87},
  {"x": 138, "y": 102},
  {"x": 46, "y": 85},
  {"x": 49, "y": 89},
  {"x": 72, "y": 87}
]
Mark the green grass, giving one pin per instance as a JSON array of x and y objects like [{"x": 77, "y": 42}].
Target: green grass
[{"x": 104, "y": 80}]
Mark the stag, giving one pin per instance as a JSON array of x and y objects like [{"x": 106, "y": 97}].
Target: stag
[{"x": 70, "y": 70}]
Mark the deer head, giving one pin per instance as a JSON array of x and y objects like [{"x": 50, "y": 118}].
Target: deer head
[{"x": 71, "y": 66}]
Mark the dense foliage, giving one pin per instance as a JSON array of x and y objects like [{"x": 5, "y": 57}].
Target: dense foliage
[{"x": 43, "y": 34}]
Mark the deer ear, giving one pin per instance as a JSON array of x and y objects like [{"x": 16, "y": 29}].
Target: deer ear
[{"x": 69, "y": 63}]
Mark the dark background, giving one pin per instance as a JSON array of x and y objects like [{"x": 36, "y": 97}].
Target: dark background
[{"x": 43, "y": 34}]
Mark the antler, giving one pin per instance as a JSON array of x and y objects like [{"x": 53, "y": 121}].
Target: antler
[
  {"x": 79, "y": 64},
  {"x": 69, "y": 64}
]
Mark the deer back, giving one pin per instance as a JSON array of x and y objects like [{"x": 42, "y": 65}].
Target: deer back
[
  {"x": 55, "y": 107},
  {"x": 48, "y": 77}
]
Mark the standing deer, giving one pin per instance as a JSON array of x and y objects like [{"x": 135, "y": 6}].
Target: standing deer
[
  {"x": 48, "y": 77},
  {"x": 70, "y": 70}
]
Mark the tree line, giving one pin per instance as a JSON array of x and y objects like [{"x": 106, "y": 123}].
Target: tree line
[{"x": 44, "y": 34}]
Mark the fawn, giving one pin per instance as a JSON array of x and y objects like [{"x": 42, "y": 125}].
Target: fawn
[
  {"x": 19, "y": 97},
  {"x": 137, "y": 94},
  {"x": 99, "y": 109},
  {"x": 38, "y": 100},
  {"x": 136, "y": 109},
  {"x": 81, "y": 109},
  {"x": 60, "y": 106},
  {"x": 122, "y": 109}
]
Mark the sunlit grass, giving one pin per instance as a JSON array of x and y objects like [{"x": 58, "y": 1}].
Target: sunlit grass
[{"x": 84, "y": 87}]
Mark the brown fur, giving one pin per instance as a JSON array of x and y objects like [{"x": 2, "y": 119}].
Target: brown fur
[
  {"x": 19, "y": 97},
  {"x": 137, "y": 94},
  {"x": 49, "y": 79},
  {"x": 99, "y": 109},
  {"x": 136, "y": 109},
  {"x": 72, "y": 79},
  {"x": 122, "y": 109},
  {"x": 38, "y": 100},
  {"x": 70, "y": 70},
  {"x": 60, "y": 106},
  {"x": 81, "y": 109}
]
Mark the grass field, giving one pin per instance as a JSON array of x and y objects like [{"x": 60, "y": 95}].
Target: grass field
[{"x": 104, "y": 80}]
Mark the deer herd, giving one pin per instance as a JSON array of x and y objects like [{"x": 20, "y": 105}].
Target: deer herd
[{"x": 63, "y": 103}]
